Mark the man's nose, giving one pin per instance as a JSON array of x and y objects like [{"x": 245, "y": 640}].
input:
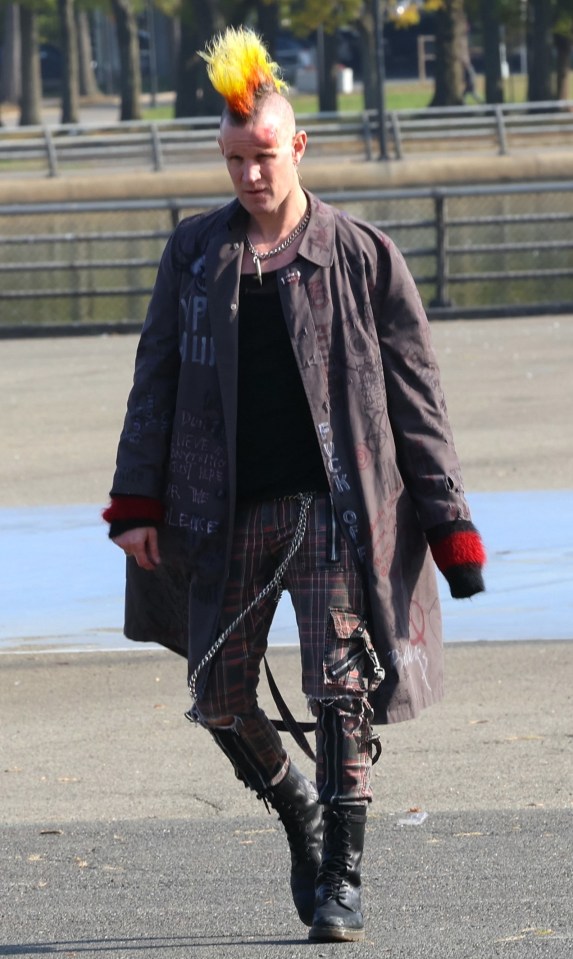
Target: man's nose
[{"x": 251, "y": 172}]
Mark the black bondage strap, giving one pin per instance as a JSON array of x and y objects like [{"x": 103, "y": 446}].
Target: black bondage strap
[
  {"x": 297, "y": 729},
  {"x": 289, "y": 724}
]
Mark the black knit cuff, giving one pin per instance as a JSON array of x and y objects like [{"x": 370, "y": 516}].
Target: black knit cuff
[
  {"x": 460, "y": 555},
  {"x": 465, "y": 581},
  {"x": 119, "y": 526}
]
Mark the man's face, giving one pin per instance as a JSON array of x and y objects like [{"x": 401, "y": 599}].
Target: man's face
[{"x": 262, "y": 158}]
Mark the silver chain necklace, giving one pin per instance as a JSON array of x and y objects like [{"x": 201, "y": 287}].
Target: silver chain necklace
[{"x": 283, "y": 245}]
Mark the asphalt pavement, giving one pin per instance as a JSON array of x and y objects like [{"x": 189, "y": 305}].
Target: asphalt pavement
[
  {"x": 125, "y": 833},
  {"x": 101, "y": 109},
  {"x": 459, "y": 886}
]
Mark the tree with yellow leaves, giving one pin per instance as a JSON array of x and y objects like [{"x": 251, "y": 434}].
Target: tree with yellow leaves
[{"x": 451, "y": 39}]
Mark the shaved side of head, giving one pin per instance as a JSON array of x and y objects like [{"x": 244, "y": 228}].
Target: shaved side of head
[{"x": 271, "y": 110}]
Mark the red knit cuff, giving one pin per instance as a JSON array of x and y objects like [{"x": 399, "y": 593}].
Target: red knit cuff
[
  {"x": 459, "y": 549},
  {"x": 460, "y": 555},
  {"x": 133, "y": 507}
]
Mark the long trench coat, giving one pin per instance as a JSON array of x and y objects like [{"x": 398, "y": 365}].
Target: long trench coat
[{"x": 362, "y": 344}]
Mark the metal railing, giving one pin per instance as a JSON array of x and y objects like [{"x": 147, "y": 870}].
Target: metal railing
[
  {"x": 160, "y": 145},
  {"x": 496, "y": 250}
]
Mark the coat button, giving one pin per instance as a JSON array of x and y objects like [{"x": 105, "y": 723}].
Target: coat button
[
  {"x": 235, "y": 246},
  {"x": 233, "y": 306}
]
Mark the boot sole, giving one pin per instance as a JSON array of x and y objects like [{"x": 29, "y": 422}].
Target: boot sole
[{"x": 336, "y": 934}]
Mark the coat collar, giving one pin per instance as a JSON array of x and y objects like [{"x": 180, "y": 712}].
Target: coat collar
[{"x": 317, "y": 244}]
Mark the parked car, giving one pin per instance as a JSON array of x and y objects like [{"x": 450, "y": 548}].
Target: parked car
[
  {"x": 50, "y": 68},
  {"x": 289, "y": 54}
]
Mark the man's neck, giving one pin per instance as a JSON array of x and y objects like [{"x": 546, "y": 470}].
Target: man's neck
[{"x": 269, "y": 229}]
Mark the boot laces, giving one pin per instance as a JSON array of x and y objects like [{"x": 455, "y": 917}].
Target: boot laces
[
  {"x": 296, "y": 830},
  {"x": 334, "y": 871}
]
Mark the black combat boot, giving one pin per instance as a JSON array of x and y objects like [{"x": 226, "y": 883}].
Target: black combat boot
[
  {"x": 338, "y": 911},
  {"x": 296, "y": 801}
]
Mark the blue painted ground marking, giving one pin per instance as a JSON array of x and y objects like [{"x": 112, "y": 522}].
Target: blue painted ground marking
[{"x": 61, "y": 580}]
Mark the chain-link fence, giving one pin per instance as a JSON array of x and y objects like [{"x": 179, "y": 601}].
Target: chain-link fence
[
  {"x": 494, "y": 250},
  {"x": 482, "y": 251}
]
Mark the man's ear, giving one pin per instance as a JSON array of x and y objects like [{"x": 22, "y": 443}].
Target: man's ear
[{"x": 298, "y": 146}]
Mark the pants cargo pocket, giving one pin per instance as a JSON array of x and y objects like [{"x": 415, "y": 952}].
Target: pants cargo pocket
[{"x": 350, "y": 661}]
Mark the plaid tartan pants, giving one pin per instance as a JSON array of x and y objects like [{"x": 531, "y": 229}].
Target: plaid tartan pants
[{"x": 328, "y": 599}]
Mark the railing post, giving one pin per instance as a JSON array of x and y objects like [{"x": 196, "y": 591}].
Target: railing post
[
  {"x": 156, "y": 148},
  {"x": 396, "y": 134},
  {"x": 175, "y": 214},
  {"x": 441, "y": 298},
  {"x": 367, "y": 134},
  {"x": 501, "y": 132},
  {"x": 51, "y": 152}
]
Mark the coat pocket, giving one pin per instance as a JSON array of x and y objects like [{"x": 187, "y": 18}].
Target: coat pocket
[{"x": 350, "y": 661}]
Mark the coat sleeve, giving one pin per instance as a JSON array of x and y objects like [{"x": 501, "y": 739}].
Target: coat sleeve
[
  {"x": 145, "y": 439},
  {"x": 417, "y": 411}
]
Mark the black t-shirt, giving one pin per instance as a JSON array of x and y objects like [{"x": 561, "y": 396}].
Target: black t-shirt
[{"x": 277, "y": 446}]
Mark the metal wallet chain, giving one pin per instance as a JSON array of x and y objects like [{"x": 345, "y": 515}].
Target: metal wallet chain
[{"x": 275, "y": 584}]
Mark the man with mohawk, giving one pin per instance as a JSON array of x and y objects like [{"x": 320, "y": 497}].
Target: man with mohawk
[{"x": 286, "y": 429}]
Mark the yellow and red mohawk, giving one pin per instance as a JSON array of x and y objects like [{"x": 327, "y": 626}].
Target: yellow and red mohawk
[{"x": 239, "y": 67}]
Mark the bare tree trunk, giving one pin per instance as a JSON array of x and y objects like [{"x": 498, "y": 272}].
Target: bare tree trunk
[
  {"x": 130, "y": 73},
  {"x": 268, "y": 22},
  {"x": 31, "y": 103},
  {"x": 195, "y": 96},
  {"x": 451, "y": 35},
  {"x": 327, "y": 74},
  {"x": 563, "y": 45},
  {"x": 11, "y": 80},
  {"x": 174, "y": 47},
  {"x": 365, "y": 28},
  {"x": 491, "y": 47},
  {"x": 86, "y": 75},
  {"x": 70, "y": 83},
  {"x": 540, "y": 45}
]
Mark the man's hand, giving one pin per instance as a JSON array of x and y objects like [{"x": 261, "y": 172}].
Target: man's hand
[{"x": 142, "y": 544}]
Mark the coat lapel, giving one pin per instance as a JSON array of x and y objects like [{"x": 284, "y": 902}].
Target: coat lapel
[{"x": 223, "y": 269}]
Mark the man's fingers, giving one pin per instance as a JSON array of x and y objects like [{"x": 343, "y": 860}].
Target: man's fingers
[
  {"x": 142, "y": 544},
  {"x": 153, "y": 547},
  {"x": 143, "y": 561}
]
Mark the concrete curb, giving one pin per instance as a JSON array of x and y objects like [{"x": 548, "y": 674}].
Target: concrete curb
[{"x": 319, "y": 174}]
